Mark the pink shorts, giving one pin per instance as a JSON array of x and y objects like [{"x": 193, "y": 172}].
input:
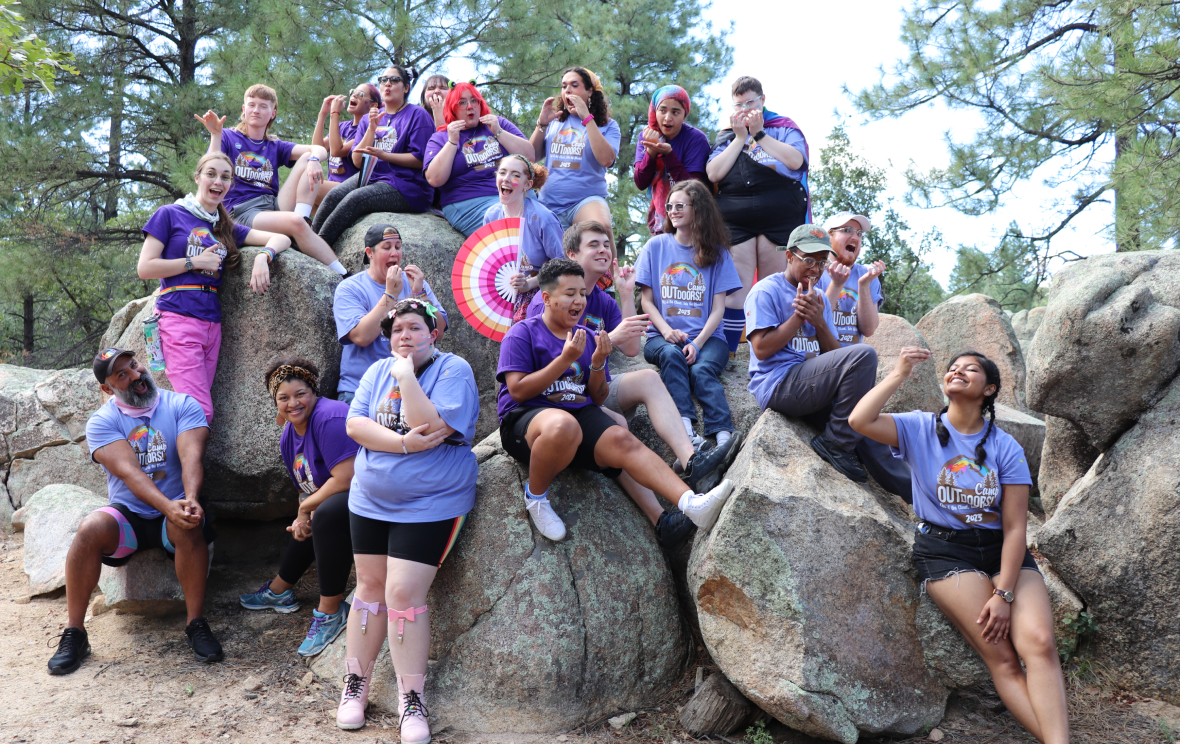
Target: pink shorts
[{"x": 191, "y": 347}]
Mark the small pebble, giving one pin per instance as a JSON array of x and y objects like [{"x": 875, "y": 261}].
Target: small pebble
[
  {"x": 563, "y": 738},
  {"x": 618, "y": 723},
  {"x": 307, "y": 679},
  {"x": 128, "y": 722},
  {"x": 252, "y": 684},
  {"x": 935, "y": 735},
  {"x": 251, "y": 695},
  {"x": 23, "y": 600}
]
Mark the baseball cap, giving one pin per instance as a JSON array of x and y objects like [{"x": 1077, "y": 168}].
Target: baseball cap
[
  {"x": 104, "y": 362},
  {"x": 380, "y": 232},
  {"x": 810, "y": 239},
  {"x": 840, "y": 218}
]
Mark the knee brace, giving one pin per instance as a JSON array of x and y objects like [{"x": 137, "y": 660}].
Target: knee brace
[{"x": 402, "y": 616}]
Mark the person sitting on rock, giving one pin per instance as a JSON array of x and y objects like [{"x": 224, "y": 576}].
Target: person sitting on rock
[
  {"x": 365, "y": 299},
  {"x": 463, "y": 155},
  {"x": 589, "y": 244},
  {"x": 255, "y": 199},
  {"x": 319, "y": 456},
  {"x": 797, "y": 366},
  {"x": 150, "y": 443},
  {"x": 553, "y": 378},
  {"x": 855, "y": 317},
  {"x": 433, "y": 98},
  {"x": 970, "y": 484},
  {"x": 414, "y": 416},
  {"x": 669, "y": 151},
  {"x": 342, "y": 134},
  {"x": 188, "y": 246},
  {"x": 540, "y": 232}
]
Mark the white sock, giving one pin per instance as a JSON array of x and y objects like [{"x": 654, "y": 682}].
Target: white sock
[
  {"x": 338, "y": 268},
  {"x": 687, "y": 495},
  {"x": 688, "y": 427},
  {"x": 531, "y": 495},
  {"x": 723, "y": 437},
  {"x": 303, "y": 210}
]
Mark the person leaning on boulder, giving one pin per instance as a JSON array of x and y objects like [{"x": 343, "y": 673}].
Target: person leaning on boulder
[
  {"x": 365, "y": 299},
  {"x": 150, "y": 443}
]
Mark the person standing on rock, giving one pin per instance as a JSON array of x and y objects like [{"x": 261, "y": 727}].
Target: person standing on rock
[
  {"x": 589, "y": 244},
  {"x": 670, "y": 151},
  {"x": 150, "y": 443},
  {"x": 319, "y": 456},
  {"x": 255, "y": 199},
  {"x": 364, "y": 300},
  {"x": 342, "y": 134},
  {"x": 188, "y": 246},
  {"x": 414, "y": 416},
  {"x": 463, "y": 155},
  {"x": 553, "y": 378},
  {"x": 394, "y": 139},
  {"x": 970, "y": 483},
  {"x": 797, "y": 366}
]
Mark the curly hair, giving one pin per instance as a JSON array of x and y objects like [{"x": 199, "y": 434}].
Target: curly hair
[
  {"x": 410, "y": 306},
  {"x": 988, "y": 407},
  {"x": 709, "y": 232},
  {"x": 599, "y": 108},
  {"x": 224, "y": 229}
]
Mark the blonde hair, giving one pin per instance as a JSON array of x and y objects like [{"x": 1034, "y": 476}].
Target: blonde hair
[{"x": 266, "y": 93}]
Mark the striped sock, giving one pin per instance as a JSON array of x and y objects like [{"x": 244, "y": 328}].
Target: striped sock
[{"x": 733, "y": 323}]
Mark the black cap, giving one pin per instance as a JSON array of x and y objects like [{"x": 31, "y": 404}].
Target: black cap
[
  {"x": 104, "y": 362},
  {"x": 379, "y": 232}
]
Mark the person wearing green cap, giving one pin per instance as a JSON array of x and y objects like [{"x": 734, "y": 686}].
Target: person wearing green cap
[{"x": 797, "y": 366}]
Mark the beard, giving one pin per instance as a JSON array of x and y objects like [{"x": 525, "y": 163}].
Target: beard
[{"x": 130, "y": 398}]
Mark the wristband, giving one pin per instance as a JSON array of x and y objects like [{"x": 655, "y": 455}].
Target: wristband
[
  {"x": 589, "y": 118},
  {"x": 597, "y": 369},
  {"x": 312, "y": 157},
  {"x": 404, "y": 450},
  {"x": 389, "y": 296},
  {"x": 270, "y": 252},
  {"x": 758, "y": 137},
  {"x": 541, "y": 126},
  {"x": 420, "y": 294}
]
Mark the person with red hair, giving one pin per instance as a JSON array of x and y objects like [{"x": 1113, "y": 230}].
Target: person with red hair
[{"x": 463, "y": 154}]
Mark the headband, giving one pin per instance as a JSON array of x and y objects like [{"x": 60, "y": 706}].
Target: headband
[
  {"x": 414, "y": 304},
  {"x": 288, "y": 371},
  {"x": 527, "y": 164}
]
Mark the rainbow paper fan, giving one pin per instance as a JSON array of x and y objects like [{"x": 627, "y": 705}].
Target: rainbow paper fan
[{"x": 480, "y": 278}]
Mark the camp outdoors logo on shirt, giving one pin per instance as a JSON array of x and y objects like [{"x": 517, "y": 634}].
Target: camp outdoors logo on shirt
[
  {"x": 197, "y": 244},
  {"x": 846, "y": 319},
  {"x": 389, "y": 412},
  {"x": 567, "y": 149},
  {"x": 303, "y": 476},
  {"x": 968, "y": 491},
  {"x": 682, "y": 291},
  {"x": 569, "y": 388},
  {"x": 486, "y": 157},
  {"x": 252, "y": 167},
  {"x": 385, "y": 138},
  {"x": 149, "y": 446}
]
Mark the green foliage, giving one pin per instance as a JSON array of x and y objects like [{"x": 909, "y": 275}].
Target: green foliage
[
  {"x": 757, "y": 734},
  {"x": 1010, "y": 274},
  {"x": 24, "y": 57},
  {"x": 1082, "y": 625}
]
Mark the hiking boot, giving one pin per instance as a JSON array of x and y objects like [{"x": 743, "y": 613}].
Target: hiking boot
[
  {"x": 204, "y": 644},
  {"x": 706, "y": 467},
  {"x": 73, "y": 647},
  {"x": 323, "y": 630},
  {"x": 673, "y": 528},
  {"x": 355, "y": 695},
  {"x": 545, "y": 519},
  {"x": 700, "y": 446},
  {"x": 845, "y": 463},
  {"x": 415, "y": 729},
  {"x": 265, "y": 599},
  {"x": 703, "y": 508}
]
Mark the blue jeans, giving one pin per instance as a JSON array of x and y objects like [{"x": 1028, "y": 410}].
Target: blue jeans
[
  {"x": 467, "y": 216},
  {"x": 702, "y": 379}
]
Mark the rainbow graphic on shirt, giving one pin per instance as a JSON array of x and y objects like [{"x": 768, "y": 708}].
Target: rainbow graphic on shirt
[
  {"x": 303, "y": 477},
  {"x": 385, "y": 138},
  {"x": 567, "y": 148},
  {"x": 200, "y": 240},
  {"x": 569, "y": 388},
  {"x": 254, "y": 168},
  {"x": 149, "y": 446},
  {"x": 389, "y": 411},
  {"x": 845, "y": 318},
  {"x": 969, "y": 491},
  {"x": 682, "y": 291},
  {"x": 481, "y": 153}
]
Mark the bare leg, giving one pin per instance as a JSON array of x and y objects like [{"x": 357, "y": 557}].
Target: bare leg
[
  {"x": 1032, "y": 635},
  {"x": 770, "y": 259},
  {"x": 601, "y": 213},
  {"x": 278, "y": 586},
  {"x": 745, "y": 260},
  {"x": 643, "y": 497},
  {"x": 370, "y": 587},
  {"x": 330, "y": 605},
  {"x": 406, "y": 586},
  {"x": 98, "y": 535},
  {"x": 646, "y": 387},
  {"x": 618, "y": 448},
  {"x": 296, "y": 189},
  {"x": 553, "y": 438},
  {"x": 192, "y": 567},
  {"x": 291, "y": 224}
]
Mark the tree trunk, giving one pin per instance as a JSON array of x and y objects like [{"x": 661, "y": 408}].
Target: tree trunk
[
  {"x": 115, "y": 139},
  {"x": 28, "y": 339},
  {"x": 716, "y": 709},
  {"x": 187, "y": 48}
]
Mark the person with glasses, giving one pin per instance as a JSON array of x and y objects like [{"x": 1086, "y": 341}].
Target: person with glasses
[
  {"x": 463, "y": 154},
  {"x": 393, "y": 141},
  {"x": 684, "y": 276},
  {"x": 670, "y": 151},
  {"x": 342, "y": 134},
  {"x": 797, "y": 365},
  {"x": 759, "y": 165}
]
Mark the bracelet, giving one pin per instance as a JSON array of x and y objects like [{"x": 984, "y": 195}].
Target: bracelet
[
  {"x": 597, "y": 369},
  {"x": 589, "y": 118},
  {"x": 541, "y": 126},
  {"x": 270, "y": 252},
  {"x": 404, "y": 450},
  {"x": 420, "y": 294},
  {"x": 312, "y": 157},
  {"x": 389, "y": 296}
]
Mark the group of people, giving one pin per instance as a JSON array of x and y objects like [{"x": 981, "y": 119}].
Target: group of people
[{"x": 385, "y": 471}]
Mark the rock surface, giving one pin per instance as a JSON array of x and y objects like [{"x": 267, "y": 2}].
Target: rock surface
[
  {"x": 1065, "y": 457},
  {"x": 1028, "y": 431},
  {"x": 923, "y": 390},
  {"x": 145, "y": 585},
  {"x": 806, "y": 598},
  {"x": 68, "y": 463},
  {"x": 977, "y": 322},
  {"x": 1025, "y": 324},
  {"x": 1109, "y": 343},
  {"x": 51, "y": 520},
  {"x": 532, "y": 636}
]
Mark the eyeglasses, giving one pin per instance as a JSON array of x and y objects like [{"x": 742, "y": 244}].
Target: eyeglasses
[
  {"x": 848, "y": 231},
  {"x": 677, "y": 207},
  {"x": 391, "y": 79},
  {"x": 465, "y": 102},
  {"x": 811, "y": 262},
  {"x": 747, "y": 105},
  {"x": 358, "y": 93}
]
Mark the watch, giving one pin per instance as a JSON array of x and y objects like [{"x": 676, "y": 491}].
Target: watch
[
  {"x": 1005, "y": 594},
  {"x": 188, "y": 264},
  {"x": 758, "y": 137}
]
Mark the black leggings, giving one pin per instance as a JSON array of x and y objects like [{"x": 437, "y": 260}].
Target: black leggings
[
  {"x": 330, "y": 547},
  {"x": 345, "y": 204}
]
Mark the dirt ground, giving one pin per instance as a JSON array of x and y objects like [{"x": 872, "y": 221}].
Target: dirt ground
[{"x": 141, "y": 684}]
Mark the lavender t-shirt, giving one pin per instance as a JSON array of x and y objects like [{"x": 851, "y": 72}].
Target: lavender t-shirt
[
  {"x": 311, "y": 457},
  {"x": 844, "y": 315},
  {"x": 184, "y": 235},
  {"x": 529, "y": 346},
  {"x": 682, "y": 291},
  {"x": 574, "y": 172},
  {"x": 601, "y": 314},
  {"x": 788, "y": 135},
  {"x": 540, "y": 234},
  {"x": 407, "y": 131},
  {"x": 341, "y": 168},
  {"x": 473, "y": 172},
  {"x": 256, "y": 165},
  {"x": 950, "y": 489}
]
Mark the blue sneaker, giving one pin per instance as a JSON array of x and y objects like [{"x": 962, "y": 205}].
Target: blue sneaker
[
  {"x": 265, "y": 599},
  {"x": 323, "y": 630}
]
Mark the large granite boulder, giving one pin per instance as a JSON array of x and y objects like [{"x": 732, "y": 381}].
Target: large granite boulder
[
  {"x": 1025, "y": 324},
  {"x": 976, "y": 322},
  {"x": 1109, "y": 343},
  {"x": 1029, "y": 433},
  {"x": 67, "y": 463},
  {"x": 51, "y": 519},
  {"x": 1066, "y": 456},
  {"x": 532, "y": 636},
  {"x": 1115, "y": 538},
  {"x": 807, "y": 598},
  {"x": 146, "y": 585},
  {"x": 244, "y": 476},
  {"x": 923, "y": 390}
]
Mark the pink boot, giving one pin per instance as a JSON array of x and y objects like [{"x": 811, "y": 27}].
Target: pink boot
[
  {"x": 411, "y": 709},
  {"x": 351, "y": 713}
]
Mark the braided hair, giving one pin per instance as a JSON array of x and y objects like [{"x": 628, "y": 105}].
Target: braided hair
[{"x": 988, "y": 408}]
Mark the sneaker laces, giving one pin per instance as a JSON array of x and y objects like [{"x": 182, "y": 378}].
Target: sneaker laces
[
  {"x": 71, "y": 640},
  {"x": 352, "y": 685},
  {"x": 201, "y": 631},
  {"x": 316, "y": 622},
  {"x": 413, "y": 705},
  {"x": 265, "y": 587}
]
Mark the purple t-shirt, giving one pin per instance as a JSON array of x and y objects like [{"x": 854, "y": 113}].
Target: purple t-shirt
[
  {"x": 540, "y": 234},
  {"x": 691, "y": 147},
  {"x": 529, "y": 346},
  {"x": 682, "y": 291},
  {"x": 602, "y": 313},
  {"x": 950, "y": 489},
  {"x": 407, "y": 131},
  {"x": 256, "y": 165},
  {"x": 310, "y": 458},
  {"x": 473, "y": 173},
  {"x": 844, "y": 314},
  {"x": 342, "y": 169},
  {"x": 184, "y": 235}
]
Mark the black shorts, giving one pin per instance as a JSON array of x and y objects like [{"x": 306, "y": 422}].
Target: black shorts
[
  {"x": 137, "y": 533},
  {"x": 420, "y": 542},
  {"x": 593, "y": 421},
  {"x": 774, "y": 211},
  {"x": 939, "y": 552}
]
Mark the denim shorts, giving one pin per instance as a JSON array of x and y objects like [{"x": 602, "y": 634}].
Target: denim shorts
[
  {"x": 566, "y": 218},
  {"x": 940, "y": 552}
]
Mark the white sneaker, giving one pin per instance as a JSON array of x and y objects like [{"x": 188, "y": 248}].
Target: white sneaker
[
  {"x": 703, "y": 508},
  {"x": 545, "y": 519}
]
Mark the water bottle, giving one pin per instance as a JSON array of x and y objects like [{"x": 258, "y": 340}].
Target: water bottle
[{"x": 155, "y": 349}]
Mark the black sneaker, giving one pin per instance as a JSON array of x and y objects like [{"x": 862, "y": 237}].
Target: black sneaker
[
  {"x": 846, "y": 463},
  {"x": 673, "y": 528},
  {"x": 71, "y": 650},
  {"x": 706, "y": 467},
  {"x": 204, "y": 643}
]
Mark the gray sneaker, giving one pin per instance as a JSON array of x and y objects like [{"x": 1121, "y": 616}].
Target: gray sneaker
[{"x": 265, "y": 599}]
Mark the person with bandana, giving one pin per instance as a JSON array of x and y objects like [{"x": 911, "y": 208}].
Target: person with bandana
[
  {"x": 189, "y": 246},
  {"x": 150, "y": 443},
  {"x": 414, "y": 417},
  {"x": 462, "y": 156},
  {"x": 669, "y": 152},
  {"x": 319, "y": 456}
]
